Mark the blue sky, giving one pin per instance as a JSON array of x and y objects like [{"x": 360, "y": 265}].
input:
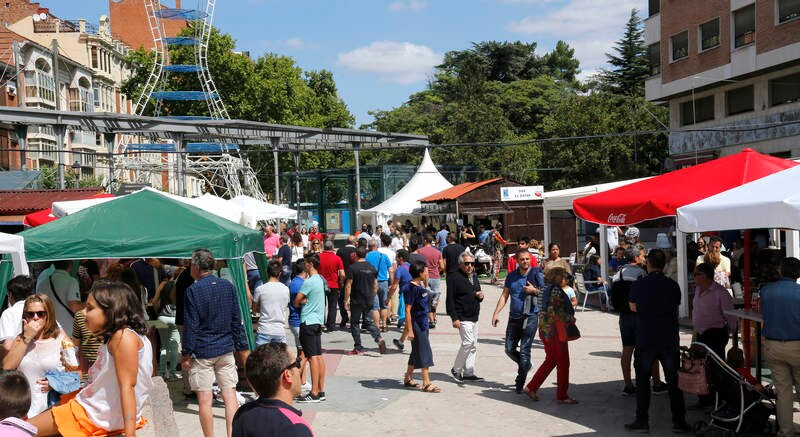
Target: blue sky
[{"x": 382, "y": 51}]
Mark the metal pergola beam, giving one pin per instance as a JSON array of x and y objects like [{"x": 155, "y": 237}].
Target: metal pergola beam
[{"x": 242, "y": 132}]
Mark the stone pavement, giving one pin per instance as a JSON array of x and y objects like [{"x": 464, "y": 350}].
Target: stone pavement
[{"x": 366, "y": 396}]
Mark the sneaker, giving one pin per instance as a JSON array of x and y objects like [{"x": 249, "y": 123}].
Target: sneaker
[
  {"x": 457, "y": 376},
  {"x": 306, "y": 387},
  {"x": 518, "y": 383},
  {"x": 322, "y": 396},
  {"x": 398, "y": 345},
  {"x": 629, "y": 390},
  {"x": 382, "y": 347},
  {"x": 432, "y": 324},
  {"x": 681, "y": 428},
  {"x": 356, "y": 352},
  {"x": 308, "y": 399},
  {"x": 637, "y": 426},
  {"x": 474, "y": 378},
  {"x": 659, "y": 388}
]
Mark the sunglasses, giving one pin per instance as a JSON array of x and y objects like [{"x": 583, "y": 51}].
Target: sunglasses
[
  {"x": 296, "y": 363},
  {"x": 30, "y": 314},
  {"x": 469, "y": 263}
]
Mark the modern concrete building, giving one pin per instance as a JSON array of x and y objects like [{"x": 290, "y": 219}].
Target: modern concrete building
[{"x": 730, "y": 72}]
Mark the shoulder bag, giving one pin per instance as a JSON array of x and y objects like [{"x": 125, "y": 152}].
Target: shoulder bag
[{"x": 692, "y": 377}]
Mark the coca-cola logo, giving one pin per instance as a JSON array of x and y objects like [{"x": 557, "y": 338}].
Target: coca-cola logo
[{"x": 617, "y": 218}]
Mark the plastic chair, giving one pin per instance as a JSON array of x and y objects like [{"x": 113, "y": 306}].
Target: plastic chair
[{"x": 580, "y": 285}]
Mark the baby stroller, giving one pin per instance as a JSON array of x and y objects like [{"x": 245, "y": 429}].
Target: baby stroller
[
  {"x": 740, "y": 407},
  {"x": 483, "y": 261}
]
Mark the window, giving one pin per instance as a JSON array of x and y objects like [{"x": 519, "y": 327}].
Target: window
[
  {"x": 698, "y": 110},
  {"x": 788, "y": 10},
  {"x": 653, "y": 7},
  {"x": 784, "y": 89},
  {"x": 94, "y": 57},
  {"x": 654, "y": 58},
  {"x": 744, "y": 26},
  {"x": 739, "y": 100},
  {"x": 709, "y": 34},
  {"x": 39, "y": 83},
  {"x": 680, "y": 45}
]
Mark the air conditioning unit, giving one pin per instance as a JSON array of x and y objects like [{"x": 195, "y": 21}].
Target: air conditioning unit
[{"x": 11, "y": 90}]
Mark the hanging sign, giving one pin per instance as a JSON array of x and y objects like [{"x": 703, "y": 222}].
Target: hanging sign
[{"x": 531, "y": 192}]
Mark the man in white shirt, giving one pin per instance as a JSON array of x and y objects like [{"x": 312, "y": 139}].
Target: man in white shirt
[
  {"x": 19, "y": 288},
  {"x": 65, "y": 293}
]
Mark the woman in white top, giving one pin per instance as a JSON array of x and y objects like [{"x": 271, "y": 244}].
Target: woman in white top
[
  {"x": 304, "y": 236},
  {"x": 37, "y": 349},
  {"x": 119, "y": 381},
  {"x": 298, "y": 247}
]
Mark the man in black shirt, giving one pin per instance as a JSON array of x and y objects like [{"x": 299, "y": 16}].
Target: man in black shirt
[
  {"x": 451, "y": 253},
  {"x": 655, "y": 300},
  {"x": 347, "y": 254},
  {"x": 360, "y": 297},
  {"x": 284, "y": 255},
  {"x": 275, "y": 376},
  {"x": 464, "y": 297}
]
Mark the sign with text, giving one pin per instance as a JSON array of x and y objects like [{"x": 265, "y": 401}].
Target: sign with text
[{"x": 531, "y": 192}]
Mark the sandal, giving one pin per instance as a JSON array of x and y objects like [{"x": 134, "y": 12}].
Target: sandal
[
  {"x": 430, "y": 388},
  {"x": 531, "y": 394},
  {"x": 410, "y": 383},
  {"x": 568, "y": 401}
]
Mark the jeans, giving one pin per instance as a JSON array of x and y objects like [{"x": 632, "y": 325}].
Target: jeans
[
  {"x": 556, "y": 357},
  {"x": 266, "y": 338},
  {"x": 517, "y": 335},
  {"x": 170, "y": 343},
  {"x": 333, "y": 299},
  {"x": 468, "y": 350},
  {"x": 783, "y": 358},
  {"x": 343, "y": 310},
  {"x": 357, "y": 312},
  {"x": 253, "y": 279},
  {"x": 383, "y": 294},
  {"x": 643, "y": 360}
]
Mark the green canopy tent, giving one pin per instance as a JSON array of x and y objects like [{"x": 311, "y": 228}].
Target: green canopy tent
[{"x": 146, "y": 224}]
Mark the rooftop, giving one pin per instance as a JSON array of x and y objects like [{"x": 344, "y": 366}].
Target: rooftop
[
  {"x": 17, "y": 202},
  {"x": 457, "y": 191}
]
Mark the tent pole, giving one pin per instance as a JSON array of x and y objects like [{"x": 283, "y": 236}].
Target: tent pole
[
  {"x": 746, "y": 280},
  {"x": 603, "y": 252},
  {"x": 60, "y": 129},
  {"x": 683, "y": 274},
  {"x": 276, "y": 141},
  {"x": 108, "y": 137},
  {"x": 177, "y": 138},
  {"x": 793, "y": 244}
]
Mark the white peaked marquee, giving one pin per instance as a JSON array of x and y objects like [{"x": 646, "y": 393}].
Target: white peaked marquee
[{"x": 426, "y": 181}]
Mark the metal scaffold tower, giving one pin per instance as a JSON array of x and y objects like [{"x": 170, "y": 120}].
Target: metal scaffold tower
[{"x": 220, "y": 166}]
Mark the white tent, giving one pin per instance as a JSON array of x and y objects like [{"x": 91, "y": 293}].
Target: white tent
[
  {"x": 67, "y": 207},
  {"x": 770, "y": 202},
  {"x": 426, "y": 181},
  {"x": 255, "y": 210},
  {"x": 15, "y": 246}
]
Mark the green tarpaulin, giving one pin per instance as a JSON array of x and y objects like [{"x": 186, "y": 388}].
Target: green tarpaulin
[{"x": 145, "y": 224}]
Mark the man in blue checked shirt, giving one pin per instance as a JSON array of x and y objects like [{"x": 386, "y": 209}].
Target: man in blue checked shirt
[
  {"x": 212, "y": 331},
  {"x": 522, "y": 286}
]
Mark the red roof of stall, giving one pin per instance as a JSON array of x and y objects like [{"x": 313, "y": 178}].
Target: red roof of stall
[
  {"x": 662, "y": 195},
  {"x": 457, "y": 191}
]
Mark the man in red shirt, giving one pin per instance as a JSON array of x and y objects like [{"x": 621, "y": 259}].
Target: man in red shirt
[
  {"x": 272, "y": 241},
  {"x": 332, "y": 269},
  {"x": 435, "y": 264},
  {"x": 512, "y": 260},
  {"x": 314, "y": 234}
]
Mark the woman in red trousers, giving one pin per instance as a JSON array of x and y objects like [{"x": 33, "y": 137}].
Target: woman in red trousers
[{"x": 556, "y": 307}]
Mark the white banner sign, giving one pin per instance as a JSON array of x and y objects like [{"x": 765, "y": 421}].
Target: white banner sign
[{"x": 533, "y": 192}]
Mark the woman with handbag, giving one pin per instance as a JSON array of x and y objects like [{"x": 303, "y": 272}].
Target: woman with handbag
[
  {"x": 556, "y": 328},
  {"x": 37, "y": 349}
]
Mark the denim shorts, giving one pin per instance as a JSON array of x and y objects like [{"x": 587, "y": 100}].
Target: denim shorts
[
  {"x": 383, "y": 293},
  {"x": 265, "y": 338},
  {"x": 627, "y": 329}
]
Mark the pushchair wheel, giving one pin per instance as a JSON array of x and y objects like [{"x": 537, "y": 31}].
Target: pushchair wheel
[{"x": 699, "y": 428}]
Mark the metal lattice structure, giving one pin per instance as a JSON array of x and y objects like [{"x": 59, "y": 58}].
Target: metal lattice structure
[{"x": 218, "y": 165}]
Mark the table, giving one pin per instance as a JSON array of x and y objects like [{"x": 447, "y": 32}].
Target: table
[{"x": 753, "y": 316}]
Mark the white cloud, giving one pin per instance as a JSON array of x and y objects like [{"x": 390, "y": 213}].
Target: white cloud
[
  {"x": 590, "y": 26},
  {"x": 393, "y": 61},
  {"x": 407, "y": 5},
  {"x": 530, "y": 2},
  {"x": 294, "y": 43}
]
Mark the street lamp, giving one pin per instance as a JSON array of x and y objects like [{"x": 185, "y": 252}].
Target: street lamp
[{"x": 76, "y": 172}]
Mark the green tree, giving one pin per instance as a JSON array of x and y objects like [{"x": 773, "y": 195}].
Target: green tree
[
  {"x": 48, "y": 179},
  {"x": 630, "y": 64}
]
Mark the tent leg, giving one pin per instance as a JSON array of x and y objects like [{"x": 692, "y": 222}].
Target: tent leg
[
  {"x": 603, "y": 252},
  {"x": 275, "y": 143},
  {"x": 683, "y": 274},
  {"x": 793, "y": 244}
]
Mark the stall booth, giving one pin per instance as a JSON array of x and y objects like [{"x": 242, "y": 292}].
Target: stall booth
[
  {"x": 147, "y": 225},
  {"x": 490, "y": 201},
  {"x": 661, "y": 196}
]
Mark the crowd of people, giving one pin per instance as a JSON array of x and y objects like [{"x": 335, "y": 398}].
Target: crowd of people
[{"x": 392, "y": 276}]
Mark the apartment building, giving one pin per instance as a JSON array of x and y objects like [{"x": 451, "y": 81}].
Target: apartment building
[{"x": 729, "y": 70}]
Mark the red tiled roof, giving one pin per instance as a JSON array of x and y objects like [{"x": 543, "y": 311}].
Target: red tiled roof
[
  {"x": 457, "y": 191},
  {"x": 14, "y": 202},
  {"x": 7, "y": 38}
]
